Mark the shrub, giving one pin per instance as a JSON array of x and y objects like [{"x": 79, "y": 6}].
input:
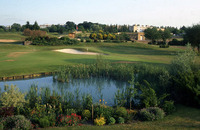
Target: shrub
[
  {"x": 17, "y": 122},
  {"x": 99, "y": 121},
  {"x": 111, "y": 121},
  {"x": 106, "y": 111},
  {"x": 89, "y": 40},
  {"x": 168, "y": 107},
  {"x": 70, "y": 111},
  {"x": 6, "y": 111},
  {"x": 121, "y": 112},
  {"x": 68, "y": 120},
  {"x": 151, "y": 114},
  {"x": 44, "y": 122},
  {"x": 121, "y": 120},
  {"x": 86, "y": 114},
  {"x": 12, "y": 97}
]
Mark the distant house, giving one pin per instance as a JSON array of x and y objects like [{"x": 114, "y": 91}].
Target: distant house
[
  {"x": 72, "y": 35},
  {"x": 141, "y": 36},
  {"x": 140, "y": 30}
]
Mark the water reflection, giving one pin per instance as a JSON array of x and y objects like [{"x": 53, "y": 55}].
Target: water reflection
[{"x": 96, "y": 87}]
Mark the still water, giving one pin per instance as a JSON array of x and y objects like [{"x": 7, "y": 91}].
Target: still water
[{"x": 93, "y": 86}]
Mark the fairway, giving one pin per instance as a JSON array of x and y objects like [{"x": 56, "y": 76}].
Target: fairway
[{"x": 18, "y": 59}]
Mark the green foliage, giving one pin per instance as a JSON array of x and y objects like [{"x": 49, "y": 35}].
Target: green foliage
[
  {"x": 86, "y": 114},
  {"x": 51, "y": 41},
  {"x": 121, "y": 112},
  {"x": 152, "y": 34},
  {"x": 99, "y": 121},
  {"x": 165, "y": 35},
  {"x": 121, "y": 120},
  {"x": 87, "y": 101},
  {"x": 147, "y": 95},
  {"x": 17, "y": 122},
  {"x": 103, "y": 110},
  {"x": 44, "y": 122},
  {"x": 183, "y": 61},
  {"x": 111, "y": 121},
  {"x": 12, "y": 97},
  {"x": 168, "y": 107},
  {"x": 192, "y": 35},
  {"x": 151, "y": 114}
]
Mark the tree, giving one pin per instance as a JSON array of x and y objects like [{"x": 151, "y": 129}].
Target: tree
[
  {"x": 36, "y": 26},
  {"x": 165, "y": 35},
  {"x": 152, "y": 34},
  {"x": 192, "y": 35},
  {"x": 70, "y": 26},
  {"x": 28, "y": 25},
  {"x": 53, "y": 28},
  {"x": 16, "y": 27}
]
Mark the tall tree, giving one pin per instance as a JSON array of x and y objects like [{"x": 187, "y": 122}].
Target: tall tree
[
  {"x": 152, "y": 34},
  {"x": 165, "y": 35},
  {"x": 192, "y": 35},
  {"x": 70, "y": 26},
  {"x": 16, "y": 27},
  {"x": 36, "y": 26}
]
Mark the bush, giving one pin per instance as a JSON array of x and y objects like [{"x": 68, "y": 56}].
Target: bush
[
  {"x": 6, "y": 111},
  {"x": 89, "y": 40},
  {"x": 44, "y": 122},
  {"x": 111, "y": 121},
  {"x": 121, "y": 112},
  {"x": 169, "y": 107},
  {"x": 121, "y": 120},
  {"x": 68, "y": 120},
  {"x": 106, "y": 111},
  {"x": 86, "y": 114},
  {"x": 99, "y": 121},
  {"x": 70, "y": 111},
  {"x": 177, "y": 42},
  {"x": 151, "y": 114},
  {"x": 17, "y": 122}
]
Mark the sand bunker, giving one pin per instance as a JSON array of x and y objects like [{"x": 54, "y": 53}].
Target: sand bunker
[
  {"x": 7, "y": 40},
  {"x": 73, "y": 51}
]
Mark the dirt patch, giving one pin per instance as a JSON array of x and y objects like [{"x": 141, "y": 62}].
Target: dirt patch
[
  {"x": 17, "y": 54},
  {"x": 7, "y": 40},
  {"x": 124, "y": 62},
  {"x": 7, "y": 61},
  {"x": 74, "y": 51}
]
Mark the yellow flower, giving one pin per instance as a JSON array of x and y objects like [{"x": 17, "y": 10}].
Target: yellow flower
[
  {"x": 105, "y": 102},
  {"x": 99, "y": 100}
]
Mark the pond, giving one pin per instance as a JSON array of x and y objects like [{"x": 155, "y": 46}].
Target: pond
[{"x": 93, "y": 86}]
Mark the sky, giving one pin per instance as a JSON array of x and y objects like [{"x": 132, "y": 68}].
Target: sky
[{"x": 144, "y": 12}]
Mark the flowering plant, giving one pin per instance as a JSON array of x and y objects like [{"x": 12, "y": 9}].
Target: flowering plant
[{"x": 68, "y": 120}]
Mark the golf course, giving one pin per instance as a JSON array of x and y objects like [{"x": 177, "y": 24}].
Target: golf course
[{"x": 17, "y": 59}]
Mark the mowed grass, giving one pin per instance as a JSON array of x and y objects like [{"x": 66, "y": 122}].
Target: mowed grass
[
  {"x": 18, "y": 59},
  {"x": 184, "y": 118},
  {"x": 12, "y": 36}
]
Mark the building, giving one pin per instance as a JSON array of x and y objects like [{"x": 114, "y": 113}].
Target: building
[
  {"x": 138, "y": 28},
  {"x": 45, "y": 26}
]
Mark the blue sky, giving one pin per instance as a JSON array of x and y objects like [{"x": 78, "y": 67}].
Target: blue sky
[{"x": 143, "y": 12}]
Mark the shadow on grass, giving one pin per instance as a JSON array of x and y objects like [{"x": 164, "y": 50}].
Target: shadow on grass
[
  {"x": 91, "y": 61},
  {"x": 14, "y": 43}
]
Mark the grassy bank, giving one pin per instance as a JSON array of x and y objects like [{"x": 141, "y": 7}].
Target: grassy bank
[{"x": 183, "y": 118}]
